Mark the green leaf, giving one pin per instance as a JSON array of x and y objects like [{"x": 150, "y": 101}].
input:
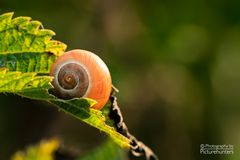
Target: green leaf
[
  {"x": 14, "y": 82},
  {"x": 80, "y": 108},
  {"x": 25, "y": 46},
  {"x": 36, "y": 87},
  {"x": 27, "y": 62},
  {"x": 92, "y": 117},
  {"x": 43, "y": 151},
  {"x": 22, "y": 35},
  {"x": 107, "y": 151},
  {"x": 26, "y": 54}
]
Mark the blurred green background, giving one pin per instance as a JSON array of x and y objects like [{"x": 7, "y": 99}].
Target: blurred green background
[{"x": 176, "y": 64}]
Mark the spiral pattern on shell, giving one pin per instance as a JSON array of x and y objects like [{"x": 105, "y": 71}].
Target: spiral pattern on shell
[{"x": 80, "y": 73}]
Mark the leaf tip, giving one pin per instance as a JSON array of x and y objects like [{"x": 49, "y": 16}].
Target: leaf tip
[{"x": 6, "y": 16}]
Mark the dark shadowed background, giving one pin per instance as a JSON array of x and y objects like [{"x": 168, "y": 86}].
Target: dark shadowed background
[{"x": 176, "y": 64}]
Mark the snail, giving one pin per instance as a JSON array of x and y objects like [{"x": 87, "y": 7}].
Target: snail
[{"x": 80, "y": 73}]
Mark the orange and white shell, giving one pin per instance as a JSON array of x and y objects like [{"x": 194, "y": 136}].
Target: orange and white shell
[{"x": 80, "y": 73}]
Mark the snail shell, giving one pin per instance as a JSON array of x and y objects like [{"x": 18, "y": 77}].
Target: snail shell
[{"x": 80, "y": 73}]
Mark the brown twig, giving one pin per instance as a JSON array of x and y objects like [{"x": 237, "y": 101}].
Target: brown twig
[{"x": 138, "y": 148}]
